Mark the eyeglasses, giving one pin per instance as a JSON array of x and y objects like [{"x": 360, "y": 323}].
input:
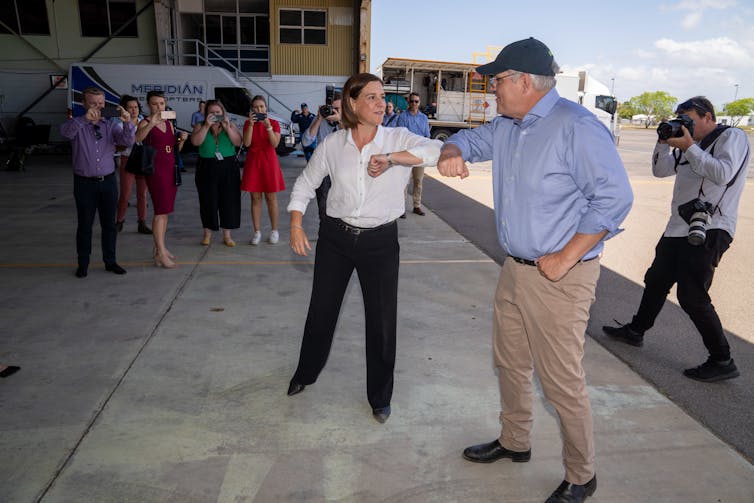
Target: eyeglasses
[
  {"x": 413, "y": 101},
  {"x": 97, "y": 132},
  {"x": 495, "y": 81}
]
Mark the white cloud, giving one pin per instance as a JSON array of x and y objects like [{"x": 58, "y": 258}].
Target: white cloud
[
  {"x": 721, "y": 52},
  {"x": 691, "y": 20},
  {"x": 697, "y": 5},
  {"x": 644, "y": 54}
]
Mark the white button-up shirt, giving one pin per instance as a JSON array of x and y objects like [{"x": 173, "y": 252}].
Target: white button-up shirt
[{"x": 355, "y": 197}]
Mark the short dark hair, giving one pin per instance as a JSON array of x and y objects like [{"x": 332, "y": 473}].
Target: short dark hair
[
  {"x": 352, "y": 89},
  {"x": 699, "y": 104},
  {"x": 155, "y": 94},
  {"x": 414, "y": 93},
  {"x": 126, "y": 98}
]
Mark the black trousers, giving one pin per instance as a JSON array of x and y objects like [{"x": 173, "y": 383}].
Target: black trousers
[
  {"x": 375, "y": 254},
  {"x": 218, "y": 184},
  {"x": 692, "y": 267},
  {"x": 321, "y": 193},
  {"x": 92, "y": 196}
]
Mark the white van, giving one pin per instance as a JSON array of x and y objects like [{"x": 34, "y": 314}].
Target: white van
[{"x": 184, "y": 87}]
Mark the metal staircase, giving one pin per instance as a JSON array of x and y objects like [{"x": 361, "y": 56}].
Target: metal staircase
[{"x": 194, "y": 52}]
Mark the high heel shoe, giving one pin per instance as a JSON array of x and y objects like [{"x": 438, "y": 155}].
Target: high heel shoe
[
  {"x": 164, "y": 261},
  {"x": 206, "y": 240}
]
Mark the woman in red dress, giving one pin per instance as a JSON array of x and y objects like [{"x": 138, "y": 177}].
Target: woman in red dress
[
  {"x": 261, "y": 171},
  {"x": 159, "y": 133}
]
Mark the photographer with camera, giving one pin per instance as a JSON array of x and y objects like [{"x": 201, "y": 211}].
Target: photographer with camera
[
  {"x": 327, "y": 122},
  {"x": 710, "y": 163}
]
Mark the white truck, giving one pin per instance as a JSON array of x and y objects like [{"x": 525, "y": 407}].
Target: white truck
[
  {"x": 456, "y": 97},
  {"x": 184, "y": 87}
]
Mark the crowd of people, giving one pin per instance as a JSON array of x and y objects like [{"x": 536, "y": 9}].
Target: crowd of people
[{"x": 361, "y": 155}]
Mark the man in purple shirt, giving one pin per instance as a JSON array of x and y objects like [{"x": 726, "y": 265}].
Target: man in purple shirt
[{"x": 93, "y": 140}]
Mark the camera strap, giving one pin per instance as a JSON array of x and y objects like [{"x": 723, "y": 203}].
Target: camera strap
[{"x": 708, "y": 140}]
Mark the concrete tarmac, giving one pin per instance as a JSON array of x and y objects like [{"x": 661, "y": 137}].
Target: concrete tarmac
[{"x": 169, "y": 385}]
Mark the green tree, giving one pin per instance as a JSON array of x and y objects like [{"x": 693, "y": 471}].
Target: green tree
[
  {"x": 738, "y": 109},
  {"x": 626, "y": 111},
  {"x": 656, "y": 105}
]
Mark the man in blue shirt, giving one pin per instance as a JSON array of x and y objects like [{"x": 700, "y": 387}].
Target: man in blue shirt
[
  {"x": 416, "y": 122},
  {"x": 560, "y": 190},
  {"x": 304, "y": 119},
  {"x": 198, "y": 116}
]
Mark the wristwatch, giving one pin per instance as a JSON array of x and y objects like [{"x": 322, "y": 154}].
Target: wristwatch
[{"x": 390, "y": 162}]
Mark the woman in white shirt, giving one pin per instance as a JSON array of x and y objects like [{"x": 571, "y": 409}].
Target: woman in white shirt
[{"x": 369, "y": 166}]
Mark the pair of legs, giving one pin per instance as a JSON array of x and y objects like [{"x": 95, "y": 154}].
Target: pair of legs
[
  {"x": 692, "y": 268},
  {"x": 417, "y": 175},
  {"x": 375, "y": 256},
  {"x": 126, "y": 185},
  {"x": 256, "y": 209},
  {"x": 162, "y": 256},
  {"x": 218, "y": 185},
  {"x": 94, "y": 196},
  {"x": 541, "y": 324}
]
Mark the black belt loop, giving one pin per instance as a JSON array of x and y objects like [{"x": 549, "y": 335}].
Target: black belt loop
[
  {"x": 96, "y": 178},
  {"x": 352, "y": 229},
  {"x": 532, "y": 263}
]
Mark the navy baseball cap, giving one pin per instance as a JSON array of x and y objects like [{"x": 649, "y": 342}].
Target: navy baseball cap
[
  {"x": 303, "y": 105},
  {"x": 527, "y": 56}
]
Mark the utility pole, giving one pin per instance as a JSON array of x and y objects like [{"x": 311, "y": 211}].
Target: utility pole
[{"x": 735, "y": 94}]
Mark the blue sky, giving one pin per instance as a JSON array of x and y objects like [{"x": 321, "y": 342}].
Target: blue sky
[{"x": 685, "y": 47}]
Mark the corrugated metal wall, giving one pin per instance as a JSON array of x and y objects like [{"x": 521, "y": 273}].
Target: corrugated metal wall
[{"x": 337, "y": 57}]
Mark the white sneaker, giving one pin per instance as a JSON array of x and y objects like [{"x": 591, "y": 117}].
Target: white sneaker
[
  {"x": 274, "y": 237},
  {"x": 256, "y": 238}
]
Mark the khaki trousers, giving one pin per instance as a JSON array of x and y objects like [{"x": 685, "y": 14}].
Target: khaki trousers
[
  {"x": 417, "y": 175},
  {"x": 541, "y": 324}
]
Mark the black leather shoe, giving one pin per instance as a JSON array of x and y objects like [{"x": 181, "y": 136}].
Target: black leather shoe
[
  {"x": 489, "y": 453},
  {"x": 119, "y": 225},
  {"x": 419, "y": 211},
  {"x": 115, "y": 268},
  {"x": 9, "y": 371},
  {"x": 143, "y": 229},
  {"x": 81, "y": 271},
  {"x": 625, "y": 334},
  {"x": 573, "y": 493},
  {"x": 295, "y": 388},
  {"x": 381, "y": 414},
  {"x": 403, "y": 216}
]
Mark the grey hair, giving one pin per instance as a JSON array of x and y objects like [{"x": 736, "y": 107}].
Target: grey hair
[{"x": 545, "y": 82}]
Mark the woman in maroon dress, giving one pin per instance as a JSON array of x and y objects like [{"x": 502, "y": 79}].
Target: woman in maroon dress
[
  {"x": 159, "y": 133},
  {"x": 261, "y": 171}
]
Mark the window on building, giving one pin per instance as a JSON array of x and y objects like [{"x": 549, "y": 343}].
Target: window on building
[
  {"x": 303, "y": 26},
  {"x": 102, "y": 18},
  {"x": 25, "y": 17}
]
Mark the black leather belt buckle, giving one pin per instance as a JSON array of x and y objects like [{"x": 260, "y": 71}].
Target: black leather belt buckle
[{"x": 523, "y": 261}]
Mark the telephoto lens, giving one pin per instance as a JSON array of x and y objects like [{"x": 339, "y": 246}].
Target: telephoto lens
[{"x": 698, "y": 228}]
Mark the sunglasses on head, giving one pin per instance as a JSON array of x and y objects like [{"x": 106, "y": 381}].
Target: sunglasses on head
[{"x": 692, "y": 104}]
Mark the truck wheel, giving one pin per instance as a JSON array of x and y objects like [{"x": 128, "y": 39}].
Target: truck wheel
[{"x": 441, "y": 134}]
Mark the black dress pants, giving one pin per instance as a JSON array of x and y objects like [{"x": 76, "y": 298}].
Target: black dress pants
[
  {"x": 218, "y": 184},
  {"x": 692, "y": 267},
  {"x": 375, "y": 254},
  {"x": 95, "y": 195}
]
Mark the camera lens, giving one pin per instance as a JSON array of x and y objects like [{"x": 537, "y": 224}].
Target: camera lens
[
  {"x": 698, "y": 228},
  {"x": 665, "y": 131}
]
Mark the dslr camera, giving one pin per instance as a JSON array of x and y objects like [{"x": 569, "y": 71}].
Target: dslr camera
[
  {"x": 326, "y": 110},
  {"x": 672, "y": 128},
  {"x": 697, "y": 214}
]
